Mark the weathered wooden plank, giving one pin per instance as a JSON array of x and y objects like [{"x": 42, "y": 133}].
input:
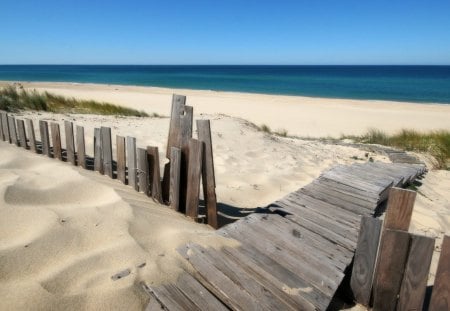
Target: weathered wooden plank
[
  {"x": 1, "y": 126},
  {"x": 22, "y": 134},
  {"x": 414, "y": 284},
  {"x": 121, "y": 159},
  {"x": 185, "y": 133},
  {"x": 143, "y": 170},
  {"x": 154, "y": 173},
  {"x": 365, "y": 259},
  {"x": 208, "y": 176},
  {"x": 56, "y": 140},
  {"x": 175, "y": 170},
  {"x": 193, "y": 177},
  {"x": 399, "y": 209},
  {"x": 107, "y": 158},
  {"x": 81, "y": 147},
  {"x": 392, "y": 257},
  {"x": 12, "y": 131},
  {"x": 131, "y": 161},
  {"x": 43, "y": 128},
  {"x": 178, "y": 103},
  {"x": 172, "y": 298},
  {"x": 98, "y": 154},
  {"x": 440, "y": 297},
  {"x": 165, "y": 184},
  {"x": 5, "y": 127},
  {"x": 70, "y": 142}
]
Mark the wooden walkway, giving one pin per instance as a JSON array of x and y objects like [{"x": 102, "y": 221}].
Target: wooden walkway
[{"x": 293, "y": 254}]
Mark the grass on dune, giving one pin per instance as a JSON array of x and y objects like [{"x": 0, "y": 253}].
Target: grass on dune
[
  {"x": 436, "y": 143},
  {"x": 15, "y": 99}
]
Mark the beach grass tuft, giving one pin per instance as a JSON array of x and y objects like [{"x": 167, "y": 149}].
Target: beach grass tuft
[
  {"x": 265, "y": 128},
  {"x": 14, "y": 99}
]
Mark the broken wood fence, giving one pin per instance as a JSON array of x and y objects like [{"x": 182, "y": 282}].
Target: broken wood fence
[
  {"x": 391, "y": 265},
  {"x": 190, "y": 159}
]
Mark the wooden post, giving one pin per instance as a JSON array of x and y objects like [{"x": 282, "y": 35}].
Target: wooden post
[
  {"x": 22, "y": 134},
  {"x": 5, "y": 127},
  {"x": 131, "y": 161},
  {"x": 56, "y": 141},
  {"x": 107, "y": 151},
  {"x": 365, "y": 259},
  {"x": 81, "y": 148},
  {"x": 98, "y": 161},
  {"x": 1, "y": 126},
  {"x": 193, "y": 177},
  {"x": 43, "y": 128},
  {"x": 142, "y": 169},
  {"x": 70, "y": 143},
  {"x": 178, "y": 103},
  {"x": 440, "y": 296},
  {"x": 165, "y": 184},
  {"x": 175, "y": 170},
  {"x": 121, "y": 159},
  {"x": 185, "y": 135},
  {"x": 31, "y": 135},
  {"x": 155, "y": 175},
  {"x": 414, "y": 284},
  {"x": 399, "y": 209},
  {"x": 208, "y": 177},
  {"x": 12, "y": 131},
  {"x": 391, "y": 266}
]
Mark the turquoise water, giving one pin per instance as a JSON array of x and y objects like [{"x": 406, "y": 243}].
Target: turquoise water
[{"x": 427, "y": 84}]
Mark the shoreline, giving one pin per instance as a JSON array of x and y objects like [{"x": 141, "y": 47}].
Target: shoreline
[{"x": 300, "y": 116}]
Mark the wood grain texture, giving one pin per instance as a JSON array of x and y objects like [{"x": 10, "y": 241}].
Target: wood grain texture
[
  {"x": 98, "y": 161},
  {"x": 81, "y": 147},
  {"x": 175, "y": 170},
  {"x": 5, "y": 127},
  {"x": 185, "y": 135},
  {"x": 107, "y": 158},
  {"x": 414, "y": 284},
  {"x": 121, "y": 159},
  {"x": 131, "y": 163},
  {"x": 193, "y": 177},
  {"x": 399, "y": 209},
  {"x": 208, "y": 176},
  {"x": 142, "y": 169},
  {"x": 178, "y": 103},
  {"x": 154, "y": 173},
  {"x": 12, "y": 131},
  {"x": 70, "y": 142},
  {"x": 365, "y": 259},
  {"x": 22, "y": 134},
  {"x": 45, "y": 140},
  {"x": 56, "y": 140},
  {"x": 165, "y": 184},
  {"x": 1, "y": 126},
  {"x": 440, "y": 296},
  {"x": 390, "y": 269}
]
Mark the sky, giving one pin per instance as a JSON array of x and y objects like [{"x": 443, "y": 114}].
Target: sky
[{"x": 314, "y": 32}]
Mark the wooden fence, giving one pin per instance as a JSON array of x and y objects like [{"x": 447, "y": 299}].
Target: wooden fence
[
  {"x": 391, "y": 265},
  {"x": 190, "y": 159}
]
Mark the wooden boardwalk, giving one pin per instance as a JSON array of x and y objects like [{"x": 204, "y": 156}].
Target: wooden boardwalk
[{"x": 294, "y": 253}]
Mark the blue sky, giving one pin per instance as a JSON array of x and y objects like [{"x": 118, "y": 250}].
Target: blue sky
[{"x": 225, "y": 32}]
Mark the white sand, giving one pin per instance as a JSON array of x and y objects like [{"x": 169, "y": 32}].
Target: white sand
[{"x": 64, "y": 231}]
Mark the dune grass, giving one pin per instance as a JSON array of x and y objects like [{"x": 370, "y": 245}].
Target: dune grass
[
  {"x": 14, "y": 99},
  {"x": 436, "y": 143}
]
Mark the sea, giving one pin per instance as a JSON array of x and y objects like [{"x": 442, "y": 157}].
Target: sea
[{"x": 422, "y": 84}]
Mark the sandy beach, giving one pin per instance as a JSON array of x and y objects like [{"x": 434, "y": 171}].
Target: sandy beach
[{"x": 94, "y": 227}]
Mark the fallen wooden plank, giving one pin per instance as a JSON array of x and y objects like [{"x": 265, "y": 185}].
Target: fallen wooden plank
[
  {"x": 131, "y": 161},
  {"x": 81, "y": 148},
  {"x": 440, "y": 296},
  {"x": 193, "y": 178},
  {"x": 56, "y": 140},
  {"x": 70, "y": 142},
  {"x": 121, "y": 159}
]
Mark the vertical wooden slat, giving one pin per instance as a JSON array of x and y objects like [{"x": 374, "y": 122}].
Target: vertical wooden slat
[
  {"x": 31, "y": 135},
  {"x": 175, "y": 170},
  {"x": 155, "y": 175},
  {"x": 391, "y": 266},
  {"x": 208, "y": 176},
  {"x": 142, "y": 169},
  {"x": 193, "y": 177},
  {"x": 365, "y": 259},
  {"x": 131, "y": 162},
  {"x": 98, "y": 161},
  {"x": 1, "y": 126},
  {"x": 121, "y": 159},
  {"x": 43, "y": 128},
  {"x": 414, "y": 284},
  {"x": 186, "y": 120},
  {"x": 22, "y": 134},
  {"x": 440, "y": 296},
  {"x": 81, "y": 147},
  {"x": 56, "y": 141},
  {"x": 70, "y": 143},
  {"x": 399, "y": 209},
  {"x": 5, "y": 126},
  {"x": 12, "y": 131},
  {"x": 178, "y": 102},
  {"x": 107, "y": 151},
  {"x": 165, "y": 184}
]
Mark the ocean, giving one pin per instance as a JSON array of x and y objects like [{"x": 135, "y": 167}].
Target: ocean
[{"x": 423, "y": 84}]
